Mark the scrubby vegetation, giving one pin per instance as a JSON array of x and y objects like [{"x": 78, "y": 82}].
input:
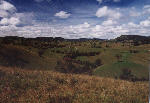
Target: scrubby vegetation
[
  {"x": 34, "y": 86},
  {"x": 57, "y": 70},
  {"x": 104, "y": 58}
]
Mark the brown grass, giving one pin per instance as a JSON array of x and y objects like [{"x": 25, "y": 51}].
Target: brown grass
[{"x": 26, "y": 86}]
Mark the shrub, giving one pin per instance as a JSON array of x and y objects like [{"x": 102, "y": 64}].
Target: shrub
[
  {"x": 41, "y": 52},
  {"x": 98, "y": 62},
  {"x": 127, "y": 75}
]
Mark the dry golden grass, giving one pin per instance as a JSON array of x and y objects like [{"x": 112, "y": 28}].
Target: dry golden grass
[{"x": 26, "y": 86}]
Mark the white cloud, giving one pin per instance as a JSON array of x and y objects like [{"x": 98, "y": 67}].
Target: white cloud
[
  {"x": 135, "y": 13},
  {"x": 106, "y": 12},
  {"x": 84, "y": 30},
  {"x": 116, "y": 0},
  {"x": 131, "y": 24},
  {"x": 42, "y": 0},
  {"x": 109, "y": 22},
  {"x": 25, "y": 18},
  {"x": 146, "y": 6},
  {"x": 11, "y": 17},
  {"x": 110, "y": 28},
  {"x": 146, "y": 9},
  {"x": 38, "y": 0},
  {"x": 145, "y": 23},
  {"x": 3, "y": 13},
  {"x": 6, "y": 9},
  {"x": 10, "y": 21},
  {"x": 4, "y": 5},
  {"x": 84, "y": 25},
  {"x": 62, "y": 14},
  {"x": 4, "y": 21},
  {"x": 14, "y": 21},
  {"x": 101, "y": 1}
]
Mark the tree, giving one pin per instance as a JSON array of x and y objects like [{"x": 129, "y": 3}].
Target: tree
[
  {"x": 98, "y": 62},
  {"x": 41, "y": 52},
  {"x": 118, "y": 56},
  {"x": 126, "y": 74}
]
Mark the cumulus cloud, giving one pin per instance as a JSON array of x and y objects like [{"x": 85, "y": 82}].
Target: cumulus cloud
[
  {"x": 9, "y": 15},
  {"x": 42, "y": 0},
  {"x": 84, "y": 30},
  {"x": 146, "y": 9},
  {"x": 101, "y": 1},
  {"x": 145, "y": 23},
  {"x": 131, "y": 24},
  {"x": 6, "y": 12},
  {"x": 109, "y": 22},
  {"x": 10, "y": 21},
  {"x": 25, "y": 18},
  {"x": 6, "y": 9},
  {"x": 106, "y": 12},
  {"x": 135, "y": 13},
  {"x": 116, "y": 0},
  {"x": 38, "y": 0},
  {"x": 146, "y": 6},
  {"x": 62, "y": 14},
  {"x": 4, "y": 5},
  {"x": 3, "y": 13}
]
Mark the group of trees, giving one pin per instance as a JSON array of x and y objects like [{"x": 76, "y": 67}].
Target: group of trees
[
  {"x": 75, "y": 54},
  {"x": 39, "y": 42},
  {"x": 12, "y": 57},
  {"x": 127, "y": 75},
  {"x": 77, "y": 67},
  {"x": 70, "y": 67},
  {"x": 134, "y": 40},
  {"x": 133, "y": 51}
]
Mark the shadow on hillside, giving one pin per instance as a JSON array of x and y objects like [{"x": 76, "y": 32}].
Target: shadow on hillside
[{"x": 12, "y": 57}]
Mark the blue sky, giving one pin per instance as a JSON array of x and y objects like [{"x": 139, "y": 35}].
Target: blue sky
[{"x": 74, "y": 18}]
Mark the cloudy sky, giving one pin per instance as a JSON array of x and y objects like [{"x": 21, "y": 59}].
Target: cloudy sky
[{"x": 74, "y": 18}]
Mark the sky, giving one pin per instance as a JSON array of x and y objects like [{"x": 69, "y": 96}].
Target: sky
[{"x": 72, "y": 19}]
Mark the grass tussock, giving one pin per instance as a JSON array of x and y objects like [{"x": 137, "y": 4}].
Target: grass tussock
[{"x": 26, "y": 86}]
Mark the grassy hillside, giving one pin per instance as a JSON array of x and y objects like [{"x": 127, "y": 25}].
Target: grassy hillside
[
  {"x": 115, "y": 70},
  {"x": 101, "y": 58},
  {"x": 24, "y": 57},
  {"x": 32, "y": 86}
]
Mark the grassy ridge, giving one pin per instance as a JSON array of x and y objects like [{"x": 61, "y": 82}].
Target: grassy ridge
[{"x": 28, "y": 86}]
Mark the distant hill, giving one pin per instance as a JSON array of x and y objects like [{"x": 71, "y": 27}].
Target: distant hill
[
  {"x": 143, "y": 39},
  {"x": 134, "y": 38}
]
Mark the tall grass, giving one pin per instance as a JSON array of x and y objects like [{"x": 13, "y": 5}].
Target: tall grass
[{"x": 28, "y": 86}]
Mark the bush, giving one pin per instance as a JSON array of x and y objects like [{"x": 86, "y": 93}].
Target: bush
[
  {"x": 41, "y": 52},
  {"x": 126, "y": 74},
  {"x": 98, "y": 62},
  {"x": 134, "y": 51}
]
